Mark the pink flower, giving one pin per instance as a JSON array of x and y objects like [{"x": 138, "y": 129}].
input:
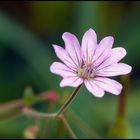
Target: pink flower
[{"x": 90, "y": 64}]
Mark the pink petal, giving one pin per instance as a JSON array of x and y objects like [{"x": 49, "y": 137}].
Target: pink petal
[
  {"x": 109, "y": 85},
  {"x": 72, "y": 47},
  {"x": 63, "y": 56},
  {"x": 89, "y": 44},
  {"x": 114, "y": 70},
  {"x": 103, "y": 50},
  {"x": 61, "y": 69},
  {"x": 71, "y": 81},
  {"x": 116, "y": 55},
  {"x": 94, "y": 89}
]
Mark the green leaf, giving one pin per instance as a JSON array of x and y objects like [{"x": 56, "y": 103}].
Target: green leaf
[{"x": 29, "y": 97}]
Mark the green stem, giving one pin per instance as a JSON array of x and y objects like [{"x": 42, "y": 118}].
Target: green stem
[
  {"x": 60, "y": 111},
  {"x": 58, "y": 114},
  {"x": 77, "y": 121},
  {"x": 71, "y": 133},
  {"x": 68, "y": 102},
  {"x": 31, "y": 112},
  {"x": 123, "y": 96}
]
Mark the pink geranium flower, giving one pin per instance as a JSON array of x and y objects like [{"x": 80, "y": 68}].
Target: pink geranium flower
[{"x": 90, "y": 64}]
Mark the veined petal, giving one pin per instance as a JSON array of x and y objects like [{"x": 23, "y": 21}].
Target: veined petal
[
  {"x": 109, "y": 85},
  {"x": 116, "y": 55},
  {"x": 61, "y": 69},
  {"x": 103, "y": 50},
  {"x": 63, "y": 56},
  {"x": 71, "y": 81},
  {"x": 89, "y": 44},
  {"x": 93, "y": 88},
  {"x": 72, "y": 47},
  {"x": 114, "y": 70}
]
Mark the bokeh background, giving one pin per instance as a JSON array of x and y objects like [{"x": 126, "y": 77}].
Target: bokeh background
[{"x": 27, "y": 32}]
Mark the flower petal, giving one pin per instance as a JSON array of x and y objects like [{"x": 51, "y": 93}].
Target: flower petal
[
  {"x": 61, "y": 69},
  {"x": 71, "y": 81},
  {"x": 103, "y": 50},
  {"x": 89, "y": 44},
  {"x": 114, "y": 70},
  {"x": 63, "y": 56},
  {"x": 109, "y": 85},
  {"x": 72, "y": 47},
  {"x": 116, "y": 55},
  {"x": 93, "y": 88}
]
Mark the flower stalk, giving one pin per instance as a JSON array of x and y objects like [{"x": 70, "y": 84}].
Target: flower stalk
[
  {"x": 68, "y": 102},
  {"x": 67, "y": 126},
  {"x": 123, "y": 96},
  {"x": 59, "y": 114}
]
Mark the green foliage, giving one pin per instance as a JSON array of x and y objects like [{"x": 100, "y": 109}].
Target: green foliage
[{"x": 29, "y": 98}]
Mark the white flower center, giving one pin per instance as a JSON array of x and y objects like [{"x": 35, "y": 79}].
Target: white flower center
[{"x": 86, "y": 72}]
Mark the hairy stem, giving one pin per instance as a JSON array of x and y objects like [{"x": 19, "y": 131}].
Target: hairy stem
[{"x": 68, "y": 102}]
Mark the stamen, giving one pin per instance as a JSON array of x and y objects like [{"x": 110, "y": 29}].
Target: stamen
[{"x": 86, "y": 72}]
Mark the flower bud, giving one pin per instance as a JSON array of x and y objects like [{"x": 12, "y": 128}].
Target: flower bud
[
  {"x": 31, "y": 132},
  {"x": 120, "y": 129},
  {"x": 51, "y": 96}
]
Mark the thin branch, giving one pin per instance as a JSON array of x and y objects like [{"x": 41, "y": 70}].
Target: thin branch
[
  {"x": 34, "y": 113},
  {"x": 19, "y": 104},
  {"x": 69, "y": 101},
  {"x": 67, "y": 126},
  {"x": 11, "y": 105},
  {"x": 10, "y": 114},
  {"x": 13, "y": 108},
  {"x": 123, "y": 96},
  {"x": 82, "y": 125}
]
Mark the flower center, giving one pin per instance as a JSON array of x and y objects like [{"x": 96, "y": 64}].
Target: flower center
[{"x": 86, "y": 71}]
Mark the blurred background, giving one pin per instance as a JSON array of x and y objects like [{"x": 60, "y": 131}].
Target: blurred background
[{"x": 27, "y": 32}]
